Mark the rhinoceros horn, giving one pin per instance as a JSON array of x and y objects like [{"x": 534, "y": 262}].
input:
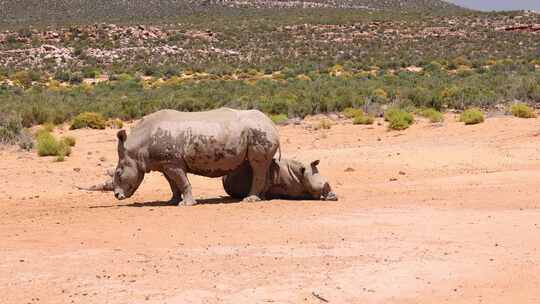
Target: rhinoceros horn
[{"x": 106, "y": 186}]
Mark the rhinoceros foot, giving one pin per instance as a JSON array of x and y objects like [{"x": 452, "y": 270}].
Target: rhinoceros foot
[
  {"x": 252, "y": 199},
  {"x": 187, "y": 202}
]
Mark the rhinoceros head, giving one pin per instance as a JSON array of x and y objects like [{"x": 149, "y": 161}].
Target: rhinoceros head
[
  {"x": 127, "y": 175},
  {"x": 315, "y": 183}
]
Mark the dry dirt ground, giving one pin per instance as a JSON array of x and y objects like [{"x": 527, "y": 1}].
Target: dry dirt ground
[{"x": 437, "y": 213}]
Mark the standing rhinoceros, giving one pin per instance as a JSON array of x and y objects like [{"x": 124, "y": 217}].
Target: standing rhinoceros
[
  {"x": 288, "y": 179},
  {"x": 213, "y": 144}
]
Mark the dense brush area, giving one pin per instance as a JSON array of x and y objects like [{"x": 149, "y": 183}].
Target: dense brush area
[{"x": 283, "y": 57}]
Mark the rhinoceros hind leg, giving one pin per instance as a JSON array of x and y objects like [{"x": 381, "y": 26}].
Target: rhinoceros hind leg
[
  {"x": 176, "y": 192},
  {"x": 179, "y": 178},
  {"x": 259, "y": 181}
]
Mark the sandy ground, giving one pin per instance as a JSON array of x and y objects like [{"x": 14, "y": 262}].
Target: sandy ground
[{"x": 437, "y": 213}]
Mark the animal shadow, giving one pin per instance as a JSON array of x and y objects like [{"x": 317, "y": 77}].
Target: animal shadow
[{"x": 205, "y": 201}]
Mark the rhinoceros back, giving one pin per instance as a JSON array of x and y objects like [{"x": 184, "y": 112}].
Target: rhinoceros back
[{"x": 211, "y": 143}]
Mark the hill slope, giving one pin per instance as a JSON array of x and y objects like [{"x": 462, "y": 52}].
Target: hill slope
[{"x": 72, "y": 11}]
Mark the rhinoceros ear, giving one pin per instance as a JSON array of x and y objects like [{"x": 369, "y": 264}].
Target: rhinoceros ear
[
  {"x": 315, "y": 163},
  {"x": 122, "y": 136}
]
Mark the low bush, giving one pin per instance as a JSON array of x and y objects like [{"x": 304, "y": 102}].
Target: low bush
[
  {"x": 324, "y": 124},
  {"x": 472, "y": 116},
  {"x": 63, "y": 150},
  {"x": 69, "y": 140},
  {"x": 23, "y": 78},
  {"x": 62, "y": 75},
  {"x": 279, "y": 118},
  {"x": 76, "y": 78},
  {"x": 522, "y": 110},
  {"x": 90, "y": 73},
  {"x": 352, "y": 112},
  {"x": 39, "y": 132},
  {"x": 398, "y": 119},
  {"x": 88, "y": 120},
  {"x": 47, "y": 145},
  {"x": 363, "y": 120},
  {"x": 433, "y": 115}
]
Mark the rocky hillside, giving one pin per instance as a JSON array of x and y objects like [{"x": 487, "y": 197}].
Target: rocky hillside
[{"x": 26, "y": 12}]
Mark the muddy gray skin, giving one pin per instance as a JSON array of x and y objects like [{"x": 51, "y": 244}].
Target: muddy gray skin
[
  {"x": 212, "y": 144},
  {"x": 288, "y": 179}
]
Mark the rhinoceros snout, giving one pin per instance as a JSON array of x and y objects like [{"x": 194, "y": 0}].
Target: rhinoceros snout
[
  {"x": 119, "y": 196},
  {"x": 331, "y": 196},
  {"x": 328, "y": 194}
]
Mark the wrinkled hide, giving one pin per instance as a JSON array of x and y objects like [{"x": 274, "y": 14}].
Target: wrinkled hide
[
  {"x": 288, "y": 179},
  {"x": 212, "y": 144}
]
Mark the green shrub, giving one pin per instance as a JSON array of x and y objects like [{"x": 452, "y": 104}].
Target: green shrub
[
  {"x": 63, "y": 150},
  {"x": 76, "y": 78},
  {"x": 115, "y": 123},
  {"x": 352, "y": 112},
  {"x": 279, "y": 118},
  {"x": 62, "y": 75},
  {"x": 398, "y": 119},
  {"x": 432, "y": 114},
  {"x": 10, "y": 128},
  {"x": 90, "y": 73},
  {"x": 522, "y": 110},
  {"x": 88, "y": 120},
  {"x": 362, "y": 119},
  {"x": 69, "y": 140},
  {"x": 379, "y": 96},
  {"x": 472, "y": 116},
  {"x": 150, "y": 71},
  {"x": 324, "y": 124},
  {"x": 433, "y": 66},
  {"x": 39, "y": 132},
  {"x": 24, "y": 78},
  {"x": 47, "y": 145}
]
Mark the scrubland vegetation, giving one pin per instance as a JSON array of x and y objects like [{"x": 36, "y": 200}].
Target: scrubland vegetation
[
  {"x": 133, "y": 98},
  {"x": 287, "y": 63},
  {"x": 88, "y": 120},
  {"x": 472, "y": 116},
  {"x": 522, "y": 110},
  {"x": 48, "y": 145},
  {"x": 398, "y": 119},
  {"x": 433, "y": 115}
]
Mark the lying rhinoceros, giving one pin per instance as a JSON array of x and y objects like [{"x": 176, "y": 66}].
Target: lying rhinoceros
[
  {"x": 213, "y": 144},
  {"x": 288, "y": 179}
]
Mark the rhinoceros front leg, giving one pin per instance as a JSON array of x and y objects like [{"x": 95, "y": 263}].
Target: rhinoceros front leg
[
  {"x": 179, "y": 178},
  {"x": 176, "y": 192}
]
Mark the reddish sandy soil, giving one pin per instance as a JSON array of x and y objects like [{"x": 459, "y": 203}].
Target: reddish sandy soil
[{"x": 437, "y": 213}]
